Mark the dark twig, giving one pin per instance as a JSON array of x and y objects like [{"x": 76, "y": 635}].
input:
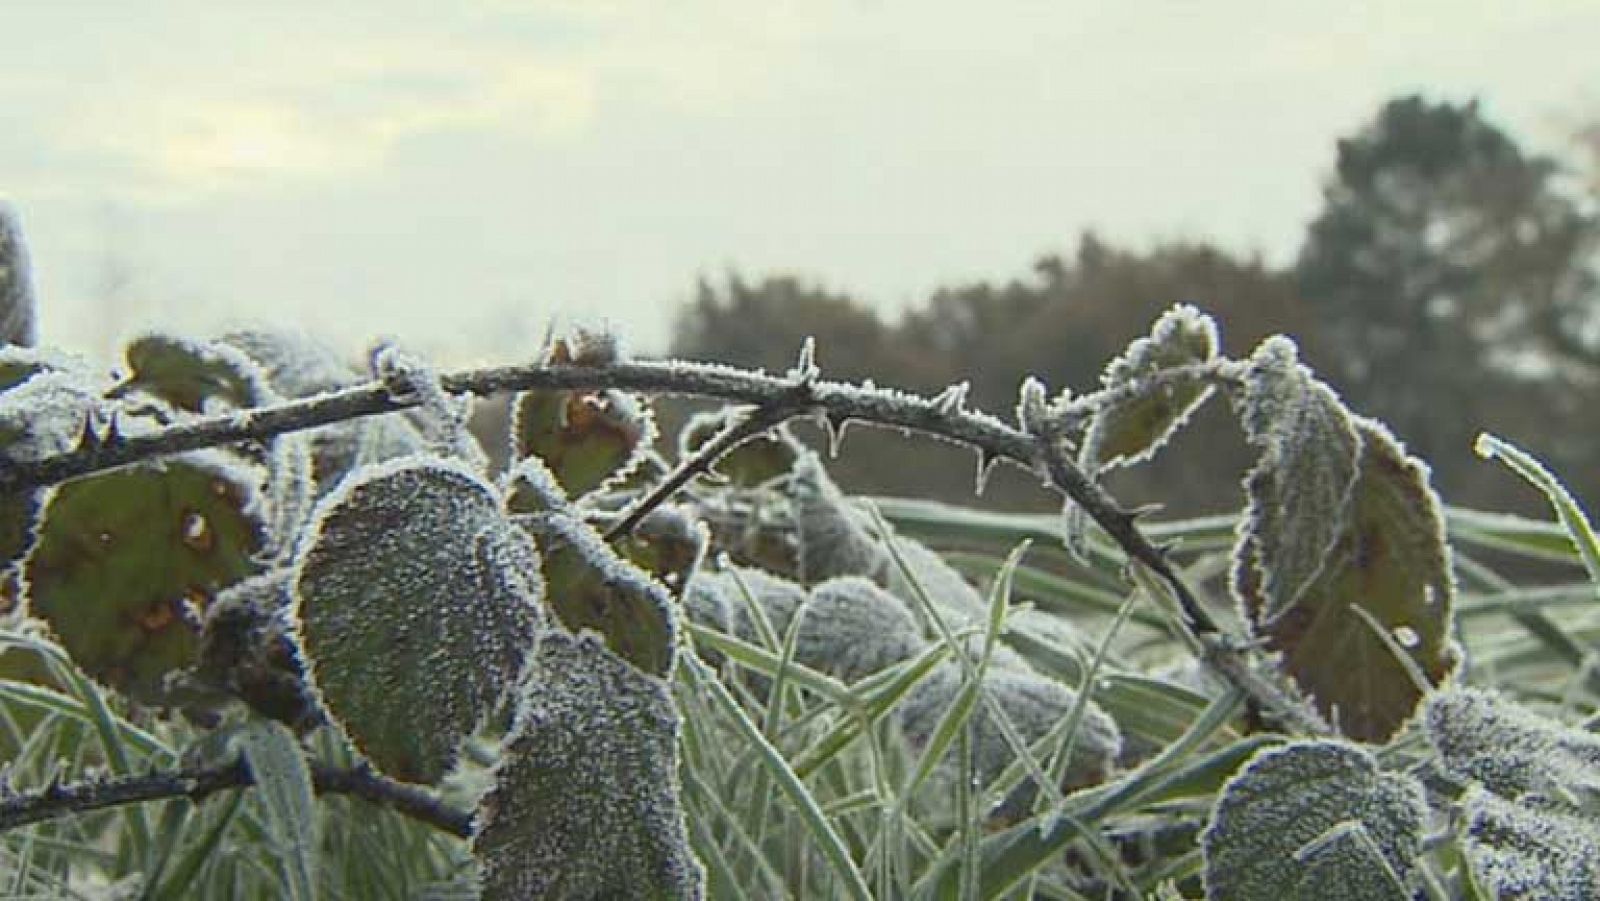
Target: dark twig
[
  {"x": 756, "y": 422},
  {"x": 58, "y": 800},
  {"x": 837, "y": 401}
]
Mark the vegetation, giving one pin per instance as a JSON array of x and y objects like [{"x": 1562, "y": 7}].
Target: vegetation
[{"x": 278, "y": 628}]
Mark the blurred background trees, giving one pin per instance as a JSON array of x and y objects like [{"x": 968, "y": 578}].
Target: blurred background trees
[{"x": 1446, "y": 286}]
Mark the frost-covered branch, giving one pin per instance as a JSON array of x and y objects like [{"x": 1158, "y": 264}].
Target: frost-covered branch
[{"x": 59, "y": 800}]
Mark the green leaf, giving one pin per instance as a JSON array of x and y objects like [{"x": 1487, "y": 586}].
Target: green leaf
[
  {"x": 590, "y": 587},
  {"x": 1530, "y": 849},
  {"x": 1298, "y": 806},
  {"x": 128, "y": 561},
  {"x": 1358, "y": 629},
  {"x": 193, "y": 375},
  {"x": 417, "y": 605},
  {"x": 1484, "y": 738},
  {"x": 589, "y": 439},
  {"x": 283, "y": 781},
  {"x": 585, "y": 802},
  {"x": 18, "y": 308},
  {"x": 1131, "y": 429}
]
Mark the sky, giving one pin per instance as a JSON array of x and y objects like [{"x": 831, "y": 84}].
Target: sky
[{"x": 458, "y": 176}]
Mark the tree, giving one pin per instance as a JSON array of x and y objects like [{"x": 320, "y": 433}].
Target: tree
[{"x": 1452, "y": 281}]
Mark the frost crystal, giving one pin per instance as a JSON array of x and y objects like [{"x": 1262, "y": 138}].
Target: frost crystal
[
  {"x": 417, "y": 605},
  {"x": 586, "y": 802},
  {"x": 443, "y": 418},
  {"x": 1298, "y": 806}
]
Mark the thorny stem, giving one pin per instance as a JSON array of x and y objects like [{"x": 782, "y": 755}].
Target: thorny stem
[
  {"x": 838, "y": 402},
  {"x": 755, "y": 422},
  {"x": 198, "y": 784}
]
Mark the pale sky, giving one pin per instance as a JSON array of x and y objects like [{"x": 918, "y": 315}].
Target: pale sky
[{"x": 456, "y": 177}]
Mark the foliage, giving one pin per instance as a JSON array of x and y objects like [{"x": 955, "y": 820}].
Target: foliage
[{"x": 278, "y": 630}]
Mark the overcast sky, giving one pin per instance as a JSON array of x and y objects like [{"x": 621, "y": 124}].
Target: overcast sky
[{"x": 456, "y": 178}]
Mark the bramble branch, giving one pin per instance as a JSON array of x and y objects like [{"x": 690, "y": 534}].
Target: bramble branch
[
  {"x": 58, "y": 800},
  {"x": 774, "y": 397}
]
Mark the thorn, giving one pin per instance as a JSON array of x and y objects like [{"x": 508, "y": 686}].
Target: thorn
[
  {"x": 89, "y": 435},
  {"x": 1144, "y": 510},
  {"x": 834, "y": 424},
  {"x": 953, "y": 399},
  {"x": 986, "y": 462},
  {"x": 805, "y": 369},
  {"x": 113, "y": 434},
  {"x": 1032, "y": 409}
]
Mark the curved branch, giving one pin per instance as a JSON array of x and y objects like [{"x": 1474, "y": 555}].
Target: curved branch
[{"x": 58, "y": 800}]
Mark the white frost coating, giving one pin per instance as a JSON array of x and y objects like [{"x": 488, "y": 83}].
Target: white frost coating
[
  {"x": 1300, "y": 489},
  {"x": 1534, "y": 848},
  {"x": 45, "y": 415},
  {"x": 851, "y": 628},
  {"x": 585, "y": 803},
  {"x": 250, "y": 373},
  {"x": 1481, "y": 737},
  {"x": 443, "y": 418},
  {"x": 1288, "y": 799},
  {"x": 416, "y": 602},
  {"x": 1032, "y": 703},
  {"x": 291, "y": 492},
  {"x": 296, "y": 364},
  {"x": 741, "y": 587},
  {"x": 1181, "y": 336},
  {"x": 834, "y": 537},
  {"x": 530, "y": 487},
  {"x": 18, "y": 307}
]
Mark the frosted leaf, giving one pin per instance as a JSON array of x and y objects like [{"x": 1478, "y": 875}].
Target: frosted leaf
[
  {"x": 1327, "y": 572},
  {"x": 759, "y": 460},
  {"x": 835, "y": 538},
  {"x": 591, "y": 440},
  {"x": 590, "y": 587},
  {"x": 298, "y": 366},
  {"x": 442, "y": 417},
  {"x": 1034, "y": 705},
  {"x": 1131, "y": 429},
  {"x": 669, "y": 544},
  {"x": 532, "y": 488},
  {"x": 295, "y": 364},
  {"x": 416, "y": 602},
  {"x": 1300, "y": 487},
  {"x": 45, "y": 414},
  {"x": 778, "y": 599},
  {"x": 950, "y": 592},
  {"x": 18, "y": 308},
  {"x": 1530, "y": 849},
  {"x": 291, "y": 492},
  {"x": 585, "y": 802},
  {"x": 1345, "y": 864},
  {"x": 246, "y": 650},
  {"x": 194, "y": 375},
  {"x": 851, "y": 628},
  {"x": 127, "y": 561},
  {"x": 283, "y": 783},
  {"x": 1032, "y": 407},
  {"x": 1277, "y": 812},
  {"x": 18, "y": 364},
  {"x": 1481, "y": 737}
]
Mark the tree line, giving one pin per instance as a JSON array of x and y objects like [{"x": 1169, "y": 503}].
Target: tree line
[{"x": 1447, "y": 286}]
